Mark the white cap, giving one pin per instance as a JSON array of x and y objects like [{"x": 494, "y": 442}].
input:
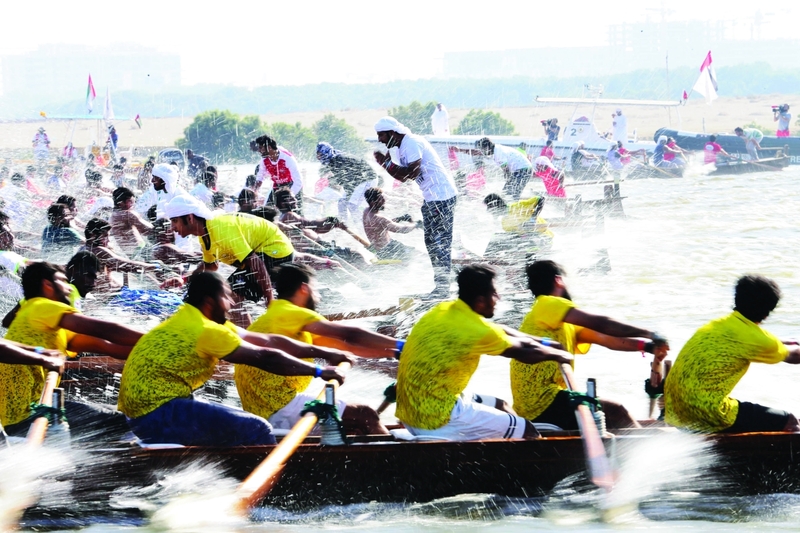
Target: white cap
[
  {"x": 183, "y": 205},
  {"x": 391, "y": 124},
  {"x": 662, "y": 138}
]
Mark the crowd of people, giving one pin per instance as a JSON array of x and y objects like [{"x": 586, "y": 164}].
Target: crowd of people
[{"x": 176, "y": 239}]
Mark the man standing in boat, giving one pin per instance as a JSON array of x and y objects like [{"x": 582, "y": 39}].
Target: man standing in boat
[
  {"x": 752, "y": 140},
  {"x": 515, "y": 166},
  {"x": 253, "y": 245},
  {"x": 179, "y": 355},
  {"x": 783, "y": 118},
  {"x": 280, "y": 399},
  {"x": 619, "y": 127},
  {"x": 718, "y": 355},
  {"x": 442, "y": 353},
  {"x": 419, "y": 162},
  {"x": 539, "y": 391}
]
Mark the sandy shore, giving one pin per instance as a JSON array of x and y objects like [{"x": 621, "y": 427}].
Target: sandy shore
[{"x": 722, "y": 116}]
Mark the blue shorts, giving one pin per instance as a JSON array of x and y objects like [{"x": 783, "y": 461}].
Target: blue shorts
[{"x": 192, "y": 422}]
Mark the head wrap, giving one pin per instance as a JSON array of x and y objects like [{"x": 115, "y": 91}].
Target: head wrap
[
  {"x": 391, "y": 124},
  {"x": 543, "y": 161},
  {"x": 166, "y": 173},
  {"x": 183, "y": 205},
  {"x": 326, "y": 152},
  {"x": 662, "y": 139}
]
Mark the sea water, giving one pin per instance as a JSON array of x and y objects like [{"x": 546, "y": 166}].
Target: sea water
[{"x": 674, "y": 260}]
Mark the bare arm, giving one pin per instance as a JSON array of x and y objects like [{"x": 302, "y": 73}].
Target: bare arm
[
  {"x": 87, "y": 343},
  {"x": 278, "y": 362},
  {"x": 360, "y": 341},
  {"x": 296, "y": 348},
  {"x": 144, "y": 227},
  {"x": 403, "y": 174},
  {"x": 623, "y": 344},
  {"x": 604, "y": 324},
  {"x": 531, "y": 352},
  {"x": 12, "y": 353},
  {"x": 115, "y": 333},
  {"x": 254, "y": 264}
]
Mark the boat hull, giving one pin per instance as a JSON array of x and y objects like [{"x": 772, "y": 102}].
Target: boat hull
[{"x": 734, "y": 144}]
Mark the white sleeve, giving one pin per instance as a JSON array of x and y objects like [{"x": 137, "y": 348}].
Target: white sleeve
[
  {"x": 410, "y": 151},
  {"x": 261, "y": 175},
  {"x": 294, "y": 170}
]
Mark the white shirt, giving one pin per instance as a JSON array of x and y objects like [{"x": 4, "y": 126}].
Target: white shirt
[
  {"x": 784, "y": 119},
  {"x": 440, "y": 122},
  {"x": 620, "y": 126},
  {"x": 286, "y": 161},
  {"x": 202, "y": 193},
  {"x": 614, "y": 160},
  {"x": 511, "y": 157},
  {"x": 434, "y": 180}
]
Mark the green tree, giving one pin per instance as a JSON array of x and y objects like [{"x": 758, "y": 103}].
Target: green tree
[
  {"x": 478, "y": 122},
  {"x": 415, "y": 116},
  {"x": 296, "y": 138},
  {"x": 221, "y": 136},
  {"x": 339, "y": 134}
]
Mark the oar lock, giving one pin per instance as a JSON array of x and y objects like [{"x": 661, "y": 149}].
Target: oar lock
[{"x": 331, "y": 430}]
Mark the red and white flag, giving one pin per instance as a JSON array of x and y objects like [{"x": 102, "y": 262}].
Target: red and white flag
[{"x": 706, "y": 84}]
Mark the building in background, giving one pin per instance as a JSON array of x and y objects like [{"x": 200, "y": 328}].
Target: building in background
[
  {"x": 51, "y": 70},
  {"x": 632, "y": 46}
]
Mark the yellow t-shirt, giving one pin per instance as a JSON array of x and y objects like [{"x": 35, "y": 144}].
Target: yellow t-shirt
[
  {"x": 173, "y": 359},
  {"x": 263, "y": 393},
  {"x": 234, "y": 236},
  {"x": 710, "y": 365},
  {"x": 36, "y": 324},
  {"x": 519, "y": 213},
  {"x": 534, "y": 387},
  {"x": 441, "y": 354}
]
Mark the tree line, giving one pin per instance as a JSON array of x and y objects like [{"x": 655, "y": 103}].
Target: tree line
[{"x": 222, "y": 135}]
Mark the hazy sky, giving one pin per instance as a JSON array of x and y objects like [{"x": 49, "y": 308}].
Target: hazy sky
[{"x": 295, "y": 41}]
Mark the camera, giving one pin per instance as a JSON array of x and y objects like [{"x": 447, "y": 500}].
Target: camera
[
  {"x": 547, "y": 122},
  {"x": 783, "y": 108}
]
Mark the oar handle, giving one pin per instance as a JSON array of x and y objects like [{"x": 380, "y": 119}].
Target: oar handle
[
  {"x": 359, "y": 238},
  {"x": 263, "y": 478},
  {"x": 38, "y": 429},
  {"x": 597, "y": 464}
]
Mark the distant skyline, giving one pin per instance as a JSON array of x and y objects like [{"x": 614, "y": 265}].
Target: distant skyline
[{"x": 252, "y": 43}]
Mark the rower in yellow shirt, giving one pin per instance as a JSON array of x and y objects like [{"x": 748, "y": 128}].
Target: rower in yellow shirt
[
  {"x": 539, "y": 391},
  {"x": 46, "y": 319},
  {"x": 441, "y": 355},
  {"x": 697, "y": 390},
  {"x": 521, "y": 223},
  {"x": 280, "y": 399},
  {"x": 253, "y": 245},
  {"x": 178, "y": 356}
]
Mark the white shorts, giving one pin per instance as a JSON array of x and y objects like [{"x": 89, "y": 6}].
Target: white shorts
[
  {"x": 289, "y": 415},
  {"x": 475, "y": 421}
]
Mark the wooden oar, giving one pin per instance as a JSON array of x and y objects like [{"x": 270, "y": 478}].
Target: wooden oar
[
  {"x": 263, "y": 478},
  {"x": 38, "y": 429},
  {"x": 361, "y": 240},
  {"x": 597, "y": 464},
  {"x": 366, "y": 313}
]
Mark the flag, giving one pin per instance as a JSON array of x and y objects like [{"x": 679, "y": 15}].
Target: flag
[
  {"x": 138, "y": 121},
  {"x": 108, "y": 111},
  {"x": 685, "y": 96},
  {"x": 706, "y": 84},
  {"x": 42, "y": 114},
  {"x": 90, "y": 95}
]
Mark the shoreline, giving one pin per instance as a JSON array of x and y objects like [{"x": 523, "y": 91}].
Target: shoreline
[{"x": 723, "y": 115}]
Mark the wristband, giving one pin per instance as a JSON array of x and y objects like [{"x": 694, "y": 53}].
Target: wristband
[
  {"x": 399, "y": 345},
  {"x": 546, "y": 341},
  {"x": 38, "y": 349},
  {"x": 317, "y": 371},
  {"x": 640, "y": 347}
]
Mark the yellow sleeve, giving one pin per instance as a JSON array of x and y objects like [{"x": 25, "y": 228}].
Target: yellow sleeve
[
  {"x": 49, "y": 313},
  {"x": 551, "y": 310},
  {"x": 208, "y": 257},
  {"x": 494, "y": 342},
  {"x": 772, "y": 350},
  {"x": 236, "y": 243},
  {"x": 218, "y": 340}
]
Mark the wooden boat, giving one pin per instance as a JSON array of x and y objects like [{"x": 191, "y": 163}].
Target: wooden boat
[
  {"x": 383, "y": 469},
  {"x": 743, "y": 166},
  {"x": 732, "y": 143}
]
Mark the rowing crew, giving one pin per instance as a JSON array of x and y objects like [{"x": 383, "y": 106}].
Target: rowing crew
[{"x": 165, "y": 366}]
